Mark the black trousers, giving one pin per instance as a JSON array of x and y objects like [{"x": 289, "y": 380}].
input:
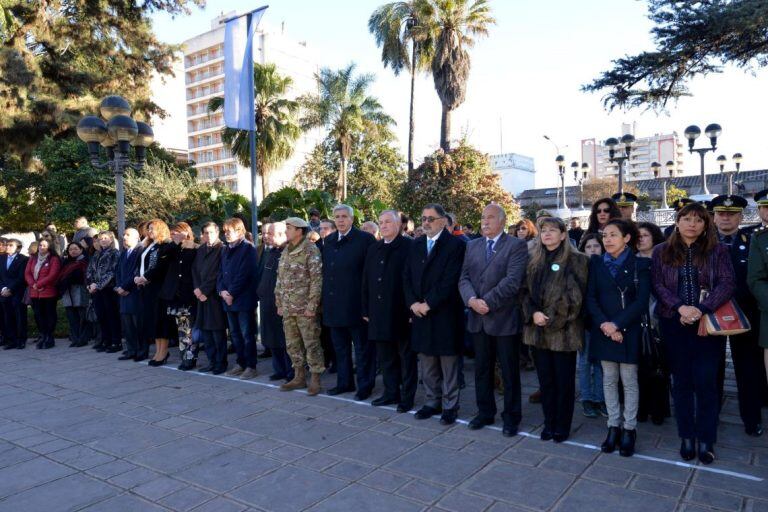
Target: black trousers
[
  {"x": 108, "y": 312},
  {"x": 694, "y": 362},
  {"x": 131, "y": 330},
  {"x": 398, "y": 369},
  {"x": 45, "y": 315},
  {"x": 557, "y": 379},
  {"x": 747, "y": 356},
  {"x": 77, "y": 324},
  {"x": 14, "y": 314},
  {"x": 344, "y": 338},
  {"x": 506, "y": 350},
  {"x": 215, "y": 343}
]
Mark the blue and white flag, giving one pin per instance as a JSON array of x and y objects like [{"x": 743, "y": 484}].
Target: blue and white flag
[{"x": 238, "y": 85}]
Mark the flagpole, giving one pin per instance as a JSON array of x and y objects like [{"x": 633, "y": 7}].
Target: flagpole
[{"x": 252, "y": 137}]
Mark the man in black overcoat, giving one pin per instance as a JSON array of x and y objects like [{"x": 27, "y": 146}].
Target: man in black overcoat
[
  {"x": 386, "y": 313},
  {"x": 343, "y": 259},
  {"x": 430, "y": 282}
]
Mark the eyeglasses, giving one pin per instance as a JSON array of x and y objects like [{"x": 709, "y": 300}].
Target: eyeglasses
[
  {"x": 430, "y": 219},
  {"x": 603, "y": 210}
]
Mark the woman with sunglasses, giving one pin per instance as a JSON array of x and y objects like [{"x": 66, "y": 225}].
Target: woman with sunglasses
[{"x": 603, "y": 210}]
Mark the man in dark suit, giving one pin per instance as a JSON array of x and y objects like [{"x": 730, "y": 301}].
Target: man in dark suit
[
  {"x": 12, "y": 286},
  {"x": 430, "y": 282},
  {"x": 326, "y": 229},
  {"x": 130, "y": 304},
  {"x": 490, "y": 281},
  {"x": 746, "y": 351},
  {"x": 385, "y": 312},
  {"x": 343, "y": 261}
]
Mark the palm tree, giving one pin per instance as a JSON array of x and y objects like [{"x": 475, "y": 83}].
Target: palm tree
[
  {"x": 345, "y": 108},
  {"x": 392, "y": 25},
  {"x": 449, "y": 26},
  {"x": 277, "y": 124}
]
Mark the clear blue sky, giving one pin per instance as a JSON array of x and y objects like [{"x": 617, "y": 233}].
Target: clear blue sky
[{"x": 525, "y": 76}]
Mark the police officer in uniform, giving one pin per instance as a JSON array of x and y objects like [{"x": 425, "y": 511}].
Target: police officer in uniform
[
  {"x": 627, "y": 202},
  {"x": 745, "y": 350},
  {"x": 677, "y": 206},
  {"x": 297, "y": 297}
]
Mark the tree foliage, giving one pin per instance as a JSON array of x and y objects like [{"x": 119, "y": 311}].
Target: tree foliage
[
  {"x": 462, "y": 181},
  {"x": 59, "y": 58},
  {"x": 692, "y": 38},
  {"x": 277, "y": 124}
]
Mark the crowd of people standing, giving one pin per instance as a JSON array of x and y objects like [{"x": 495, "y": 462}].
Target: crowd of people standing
[{"x": 622, "y": 308}]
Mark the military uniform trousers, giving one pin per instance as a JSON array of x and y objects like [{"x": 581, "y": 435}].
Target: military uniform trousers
[
  {"x": 302, "y": 342},
  {"x": 747, "y": 356}
]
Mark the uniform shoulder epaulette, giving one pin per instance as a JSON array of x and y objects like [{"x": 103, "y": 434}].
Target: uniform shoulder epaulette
[{"x": 760, "y": 230}]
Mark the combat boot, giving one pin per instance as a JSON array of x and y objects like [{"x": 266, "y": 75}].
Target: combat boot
[
  {"x": 299, "y": 381},
  {"x": 314, "y": 384}
]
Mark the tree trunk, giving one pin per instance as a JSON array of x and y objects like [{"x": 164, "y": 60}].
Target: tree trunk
[
  {"x": 445, "y": 129},
  {"x": 264, "y": 184},
  {"x": 341, "y": 187},
  {"x": 411, "y": 126}
]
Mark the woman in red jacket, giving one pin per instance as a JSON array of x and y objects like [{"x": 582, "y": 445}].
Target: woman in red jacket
[{"x": 41, "y": 274}]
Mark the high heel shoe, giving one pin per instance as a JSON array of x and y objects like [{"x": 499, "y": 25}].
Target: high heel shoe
[
  {"x": 627, "y": 445},
  {"x": 155, "y": 362},
  {"x": 611, "y": 440},
  {"x": 687, "y": 449}
]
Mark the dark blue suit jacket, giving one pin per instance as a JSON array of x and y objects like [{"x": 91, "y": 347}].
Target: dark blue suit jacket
[
  {"x": 239, "y": 266},
  {"x": 124, "y": 274},
  {"x": 343, "y": 263},
  {"x": 13, "y": 277}
]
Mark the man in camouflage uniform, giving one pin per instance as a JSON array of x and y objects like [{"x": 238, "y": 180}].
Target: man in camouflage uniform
[{"x": 297, "y": 296}]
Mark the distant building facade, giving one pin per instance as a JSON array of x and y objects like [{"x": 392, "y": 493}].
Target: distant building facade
[
  {"x": 204, "y": 79},
  {"x": 517, "y": 172}
]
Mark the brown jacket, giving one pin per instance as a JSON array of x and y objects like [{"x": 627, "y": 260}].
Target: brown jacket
[{"x": 562, "y": 302}]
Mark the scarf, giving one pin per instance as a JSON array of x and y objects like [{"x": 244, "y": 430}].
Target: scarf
[
  {"x": 39, "y": 264},
  {"x": 615, "y": 264}
]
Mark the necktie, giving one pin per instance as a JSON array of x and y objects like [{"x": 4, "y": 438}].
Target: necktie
[
  {"x": 8, "y": 263},
  {"x": 489, "y": 251},
  {"x": 430, "y": 245},
  {"x": 728, "y": 239}
]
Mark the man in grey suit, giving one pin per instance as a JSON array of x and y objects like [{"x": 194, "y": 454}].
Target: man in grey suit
[{"x": 491, "y": 276}]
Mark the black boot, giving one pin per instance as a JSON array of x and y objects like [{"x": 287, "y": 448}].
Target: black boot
[
  {"x": 627, "y": 445},
  {"x": 706, "y": 453},
  {"x": 40, "y": 342},
  {"x": 49, "y": 342},
  {"x": 687, "y": 449},
  {"x": 611, "y": 440}
]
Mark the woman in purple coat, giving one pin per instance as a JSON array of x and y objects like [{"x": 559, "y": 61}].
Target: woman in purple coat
[{"x": 692, "y": 275}]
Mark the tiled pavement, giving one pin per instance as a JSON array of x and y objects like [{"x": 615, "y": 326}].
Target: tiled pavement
[{"x": 82, "y": 431}]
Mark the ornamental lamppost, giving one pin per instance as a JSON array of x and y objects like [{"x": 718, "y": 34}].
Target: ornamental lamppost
[
  {"x": 731, "y": 174},
  {"x": 692, "y": 133},
  {"x": 580, "y": 178},
  {"x": 560, "y": 160},
  {"x": 612, "y": 144},
  {"x": 116, "y": 131},
  {"x": 656, "y": 168}
]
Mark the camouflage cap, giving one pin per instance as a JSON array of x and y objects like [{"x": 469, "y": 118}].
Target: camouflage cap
[{"x": 296, "y": 222}]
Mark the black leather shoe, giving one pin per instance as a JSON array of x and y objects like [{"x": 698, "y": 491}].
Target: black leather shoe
[
  {"x": 362, "y": 395},
  {"x": 383, "y": 400},
  {"x": 611, "y": 440},
  {"x": 627, "y": 444},
  {"x": 9, "y": 346},
  {"x": 276, "y": 376},
  {"x": 40, "y": 343},
  {"x": 139, "y": 359},
  {"x": 126, "y": 357},
  {"x": 687, "y": 449},
  {"x": 479, "y": 422},
  {"x": 546, "y": 435},
  {"x": 509, "y": 431},
  {"x": 97, "y": 346},
  {"x": 161, "y": 362},
  {"x": 559, "y": 438},
  {"x": 185, "y": 366},
  {"x": 219, "y": 371},
  {"x": 205, "y": 369},
  {"x": 102, "y": 348},
  {"x": 112, "y": 350},
  {"x": 404, "y": 407},
  {"x": 22, "y": 345},
  {"x": 706, "y": 453},
  {"x": 337, "y": 390},
  {"x": 449, "y": 417},
  {"x": 266, "y": 354},
  {"x": 754, "y": 431},
  {"x": 426, "y": 412}
]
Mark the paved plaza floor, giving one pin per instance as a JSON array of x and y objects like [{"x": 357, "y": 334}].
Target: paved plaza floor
[{"x": 80, "y": 430}]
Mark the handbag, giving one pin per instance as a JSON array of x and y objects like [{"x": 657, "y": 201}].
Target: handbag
[{"x": 727, "y": 320}]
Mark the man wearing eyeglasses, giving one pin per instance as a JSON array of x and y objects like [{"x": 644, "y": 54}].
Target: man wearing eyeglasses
[{"x": 430, "y": 283}]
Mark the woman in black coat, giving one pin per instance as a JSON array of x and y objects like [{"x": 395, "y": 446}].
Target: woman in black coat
[
  {"x": 151, "y": 269},
  {"x": 617, "y": 296},
  {"x": 210, "y": 318},
  {"x": 177, "y": 294}
]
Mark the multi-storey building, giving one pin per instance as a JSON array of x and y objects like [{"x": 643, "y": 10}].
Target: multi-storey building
[
  {"x": 645, "y": 150},
  {"x": 517, "y": 172},
  {"x": 204, "y": 80}
]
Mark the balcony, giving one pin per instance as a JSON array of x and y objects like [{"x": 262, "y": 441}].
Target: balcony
[{"x": 199, "y": 60}]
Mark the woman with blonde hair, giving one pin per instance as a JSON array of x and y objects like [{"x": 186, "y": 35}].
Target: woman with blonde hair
[
  {"x": 100, "y": 281},
  {"x": 552, "y": 297},
  {"x": 151, "y": 271}
]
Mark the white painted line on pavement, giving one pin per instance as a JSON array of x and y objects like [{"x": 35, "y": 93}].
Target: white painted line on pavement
[{"x": 735, "y": 474}]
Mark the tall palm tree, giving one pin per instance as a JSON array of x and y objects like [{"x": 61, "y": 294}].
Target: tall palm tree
[
  {"x": 450, "y": 26},
  {"x": 343, "y": 105},
  {"x": 392, "y": 25},
  {"x": 277, "y": 124}
]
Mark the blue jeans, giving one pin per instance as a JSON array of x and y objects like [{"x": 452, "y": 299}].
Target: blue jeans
[
  {"x": 242, "y": 328},
  {"x": 590, "y": 375},
  {"x": 215, "y": 343}
]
